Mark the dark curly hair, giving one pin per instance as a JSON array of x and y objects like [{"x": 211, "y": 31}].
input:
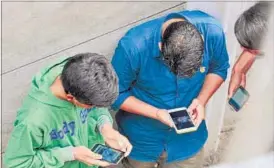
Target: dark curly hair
[
  {"x": 182, "y": 48},
  {"x": 90, "y": 78}
]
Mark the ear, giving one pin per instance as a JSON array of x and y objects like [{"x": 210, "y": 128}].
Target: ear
[
  {"x": 160, "y": 46},
  {"x": 69, "y": 97}
]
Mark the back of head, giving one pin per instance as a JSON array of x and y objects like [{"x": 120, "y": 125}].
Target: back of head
[
  {"x": 182, "y": 48},
  {"x": 91, "y": 79},
  {"x": 251, "y": 26}
]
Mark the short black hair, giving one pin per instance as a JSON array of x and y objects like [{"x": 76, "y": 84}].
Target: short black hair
[
  {"x": 90, "y": 78},
  {"x": 182, "y": 48},
  {"x": 251, "y": 26}
]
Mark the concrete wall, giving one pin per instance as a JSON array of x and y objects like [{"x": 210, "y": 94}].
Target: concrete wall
[{"x": 36, "y": 33}]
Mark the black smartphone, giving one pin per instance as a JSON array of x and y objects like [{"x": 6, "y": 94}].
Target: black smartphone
[
  {"x": 109, "y": 155},
  {"x": 239, "y": 98}
]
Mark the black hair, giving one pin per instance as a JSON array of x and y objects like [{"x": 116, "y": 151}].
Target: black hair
[
  {"x": 251, "y": 26},
  {"x": 182, "y": 48},
  {"x": 90, "y": 78}
]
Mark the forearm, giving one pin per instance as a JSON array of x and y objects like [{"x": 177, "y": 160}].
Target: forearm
[
  {"x": 131, "y": 105},
  {"x": 30, "y": 154},
  {"x": 212, "y": 83},
  {"x": 58, "y": 155},
  {"x": 244, "y": 62},
  {"x": 101, "y": 116},
  {"x": 42, "y": 158},
  {"x": 136, "y": 106}
]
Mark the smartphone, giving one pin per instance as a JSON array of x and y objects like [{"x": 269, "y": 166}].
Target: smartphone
[
  {"x": 109, "y": 155},
  {"x": 183, "y": 123},
  {"x": 239, "y": 98}
]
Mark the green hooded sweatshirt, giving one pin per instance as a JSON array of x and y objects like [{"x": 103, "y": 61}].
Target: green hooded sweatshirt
[{"x": 46, "y": 127}]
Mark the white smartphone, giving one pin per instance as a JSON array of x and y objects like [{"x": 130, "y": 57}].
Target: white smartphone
[
  {"x": 182, "y": 121},
  {"x": 109, "y": 155}
]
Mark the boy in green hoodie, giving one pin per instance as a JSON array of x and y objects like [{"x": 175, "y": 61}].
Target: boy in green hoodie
[{"x": 63, "y": 116}]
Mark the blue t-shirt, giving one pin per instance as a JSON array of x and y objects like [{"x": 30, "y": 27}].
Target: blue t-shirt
[{"x": 143, "y": 74}]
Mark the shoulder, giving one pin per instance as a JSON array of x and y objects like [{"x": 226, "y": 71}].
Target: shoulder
[
  {"x": 138, "y": 38},
  {"x": 34, "y": 114},
  {"x": 207, "y": 24},
  {"x": 215, "y": 33},
  {"x": 200, "y": 17}
]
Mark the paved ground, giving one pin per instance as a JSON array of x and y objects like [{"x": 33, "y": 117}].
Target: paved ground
[{"x": 262, "y": 161}]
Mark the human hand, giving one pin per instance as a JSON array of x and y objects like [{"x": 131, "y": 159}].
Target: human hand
[
  {"x": 85, "y": 155},
  {"x": 197, "y": 112},
  {"x": 237, "y": 79},
  {"x": 115, "y": 140},
  {"x": 163, "y": 116}
]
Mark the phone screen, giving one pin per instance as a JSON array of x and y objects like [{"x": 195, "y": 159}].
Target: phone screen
[
  {"x": 109, "y": 154},
  {"x": 239, "y": 98},
  {"x": 181, "y": 119}
]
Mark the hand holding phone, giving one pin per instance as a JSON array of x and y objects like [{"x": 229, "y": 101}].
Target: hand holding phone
[
  {"x": 108, "y": 154},
  {"x": 116, "y": 140},
  {"x": 237, "y": 79},
  {"x": 196, "y": 111},
  {"x": 84, "y": 155},
  {"x": 182, "y": 120},
  {"x": 238, "y": 99}
]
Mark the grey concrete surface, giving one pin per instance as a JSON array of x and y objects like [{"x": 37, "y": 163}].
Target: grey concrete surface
[
  {"x": 36, "y": 30},
  {"x": 262, "y": 161},
  {"x": 32, "y": 31}
]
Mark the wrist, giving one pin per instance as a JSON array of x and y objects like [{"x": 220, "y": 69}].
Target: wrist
[
  {"x": 68, "y": 153},
  {"x": 74, "y": 152},
  {"x": 156, "y": 114},
  {"x": 201, "y": 101}
]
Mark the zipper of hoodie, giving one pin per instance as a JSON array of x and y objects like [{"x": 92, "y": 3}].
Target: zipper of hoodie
[{"x": 79, "y": 124}]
